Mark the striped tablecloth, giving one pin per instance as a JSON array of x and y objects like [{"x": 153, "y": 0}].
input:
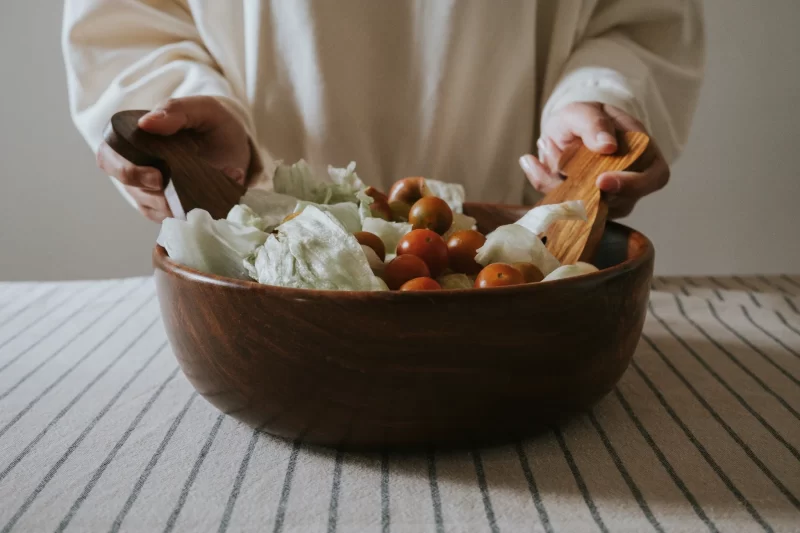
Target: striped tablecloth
[{"x": 99, "y": 431}]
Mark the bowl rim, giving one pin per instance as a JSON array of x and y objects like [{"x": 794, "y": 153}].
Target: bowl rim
[{"x": 161, "y": 261}]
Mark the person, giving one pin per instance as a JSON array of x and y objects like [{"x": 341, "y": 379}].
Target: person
[{"x": 452, "y": 90}]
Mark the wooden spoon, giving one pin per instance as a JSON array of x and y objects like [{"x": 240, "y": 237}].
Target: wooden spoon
[
  {"x": 571, "y": 241},
  {"x": 189, "y": 181}
]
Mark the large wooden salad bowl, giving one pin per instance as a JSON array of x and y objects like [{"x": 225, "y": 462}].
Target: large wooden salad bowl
[{"x": 388, "y": 369}]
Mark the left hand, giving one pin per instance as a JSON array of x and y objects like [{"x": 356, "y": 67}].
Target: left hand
[{"x": 594, "y": 124}]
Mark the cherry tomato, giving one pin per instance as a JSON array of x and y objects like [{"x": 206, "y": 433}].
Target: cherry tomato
[
  {"x": 408, "y": 190},
  {"x": 498, "y": 275},
  {"x": 428, "y": 246},
  {"x": 380, "y": 205},
  {"x": 431, "y": 213},
  {"x": 421, "y": 284},
  {"x": 530, "y": 272},
  {"x": 462, "y": 247},
  {"x": 373, "y": 241},
  {"x": 404, "y": 268},
  {"x": 399, "y": 211}
]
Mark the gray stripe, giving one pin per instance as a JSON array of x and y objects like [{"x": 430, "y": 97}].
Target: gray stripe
[
  {"x": 732, "y": 434},
  {"x": 716, "y": 376},
  {"x": 66, "y": 408},
  {"x": 790, "y": 280},
  {"x": 53, "y": 330},
  {"x": 786, "y": 323},
  {"x": 113, "y": 453},
  {"x": 768, "y": 334},
  {"x": 237, "y": 483},
  {"x": 74, "y": 446},
  {"x": 791, "y": 305},
  {"x": 750, "y": 290},
  {"x": 700, "y": 448},
  {"x": 280, "y": 515},
  {"x": 39, "y": 319},
  {"x": 65, "y": 373},
  {"x": 665, "y": 463},
  {"x": 435, "y": 498},
  {"x": 718, "y": 283},
  {"x": 693, "y": 283},
  {"x": 385, "y": 516},
  {"x": 333, "y": 509},
  {"x": 736, "y": 361},
  {"x": 484, "y": 488},
  {"x": 137, "y": 487},
  {"x": 753, "y": 347},
  {"x": 533, "y": 489},
  {"x": 637, "y": 494},
  {"x": 173, "y": 517},
  {"x": 587, "y": 497},
  {"x": 17, "y": 312},
  {"x": 766, "y": 281}
]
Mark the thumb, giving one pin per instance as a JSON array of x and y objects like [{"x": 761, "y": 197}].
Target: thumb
[
  {"x": 193, "y": 112},
  {"x": 591, "y": 124}
]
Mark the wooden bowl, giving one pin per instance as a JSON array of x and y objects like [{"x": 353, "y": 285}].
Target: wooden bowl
[{"x": 368, "y": 370}]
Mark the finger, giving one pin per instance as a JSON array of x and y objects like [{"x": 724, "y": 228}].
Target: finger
[
  {"x": 145, "y": 198},
  {"x": 620, "y": 207},
  {"x": 126, "y": 172},
  {"x": 549, "y": 154},
  {"x": 154, "y": 215},
  {"x": 192, "y": 112},
  {"x": 623, "y": 120},
  {"x": 590, "y": 123},
  {"x": 539, "y": 176},
  {"x": 635, "y": 184}
]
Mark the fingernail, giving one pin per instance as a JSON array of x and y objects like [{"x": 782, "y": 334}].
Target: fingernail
[
  {"x": 526, "y": 164},
  {"x": 606, "y": 138},
  {"x": 542, "y": 150},
  {"x": 154, "y": 114},
  {"x": 236, "y": 174},
  {"x": 610, "y": 184},
  {"x": 151, "y": 179}
]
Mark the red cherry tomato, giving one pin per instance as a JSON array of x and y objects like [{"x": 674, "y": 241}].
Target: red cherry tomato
[
  {"x": 431, "y": 213},
  {"x": 462, "y": 247},
  {"x": 408, "y": 190},
  {"x": 404, "y": 268},
  {"x": 428, "y": 246},
  {"x": 498, "y": 275},
  {"x": 530, "y": 272},
  {"x": 421, "y": 284},
  {"x": 373, "y": 241}
]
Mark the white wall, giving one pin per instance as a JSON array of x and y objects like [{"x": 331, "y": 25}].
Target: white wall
[{"x": 730, "y": 208}]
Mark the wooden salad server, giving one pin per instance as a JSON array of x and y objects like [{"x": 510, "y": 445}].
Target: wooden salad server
[
  {"x": 189, "y": 181},
  {"x": 571, "y": 241}
]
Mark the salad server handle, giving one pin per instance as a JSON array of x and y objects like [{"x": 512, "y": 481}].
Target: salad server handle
[{"x": 190, "y": 182}]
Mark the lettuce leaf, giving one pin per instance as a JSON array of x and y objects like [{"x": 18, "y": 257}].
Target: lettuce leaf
[
  {"x": 346, "y": 213},
  {"x": 570, "y": 271},
  {"x": 514, "y": 244},
  {"x": 212, "y": 246},
  {"x": 389, "y": 232},
  {"x": 346, "y": 184},
  {"x": 269, "y": 206},
  {"x": 456, "y": 281},
  {"x": 315, "y": 251},
  {"x": 460, "y": 222},
  {"x": 538, "y": 219}
]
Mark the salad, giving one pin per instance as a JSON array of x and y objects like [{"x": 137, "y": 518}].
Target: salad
[{"x": 339, "y": 234}]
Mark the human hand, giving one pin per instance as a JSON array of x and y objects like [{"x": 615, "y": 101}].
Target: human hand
[
  {"x": 594, "y": 124},
  {"x": 222, "y": 139}
]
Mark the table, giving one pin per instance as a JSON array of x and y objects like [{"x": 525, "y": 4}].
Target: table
[{"x": 99, "y": 431}]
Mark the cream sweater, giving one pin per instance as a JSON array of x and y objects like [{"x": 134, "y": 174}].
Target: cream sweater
[{"x": 450, "y": 89}]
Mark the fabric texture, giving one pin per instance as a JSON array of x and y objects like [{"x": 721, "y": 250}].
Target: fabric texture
[
  {"x": 451, "y": 90},
  {"x": 100, "y": 431}
]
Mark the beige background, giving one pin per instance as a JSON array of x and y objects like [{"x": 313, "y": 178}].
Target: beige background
[{"x": 730, "y": 208}]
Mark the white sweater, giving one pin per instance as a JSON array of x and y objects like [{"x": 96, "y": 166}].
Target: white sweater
[{"x": 450, "y": 89}]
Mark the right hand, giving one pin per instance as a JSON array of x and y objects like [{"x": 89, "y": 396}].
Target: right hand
[{"x": 222, "y": 137}]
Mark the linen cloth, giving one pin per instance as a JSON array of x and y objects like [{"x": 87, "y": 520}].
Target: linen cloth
[{"x": 100, "y": 431}]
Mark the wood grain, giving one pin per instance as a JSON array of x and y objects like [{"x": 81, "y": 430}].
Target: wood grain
[
  {"x": 409, "y": 370},
  {"x": 571, "y": 241},
  {"x": 179, "y": 158}
]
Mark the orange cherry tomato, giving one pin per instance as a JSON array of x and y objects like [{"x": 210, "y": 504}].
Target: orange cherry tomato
[
  {"x": 421, "y": 284},
  {"x": 462, "y": 247},
  {"x": 404, "y": 268},
  {"x": 498, "y": 275},
  {"x": 373, "y": 241},
  {"x": 428, "y": 246},
  {"x": 530, "y": 272},
  {"x": 408, "y": 190},
  {"x": 431, "y": 212}
]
